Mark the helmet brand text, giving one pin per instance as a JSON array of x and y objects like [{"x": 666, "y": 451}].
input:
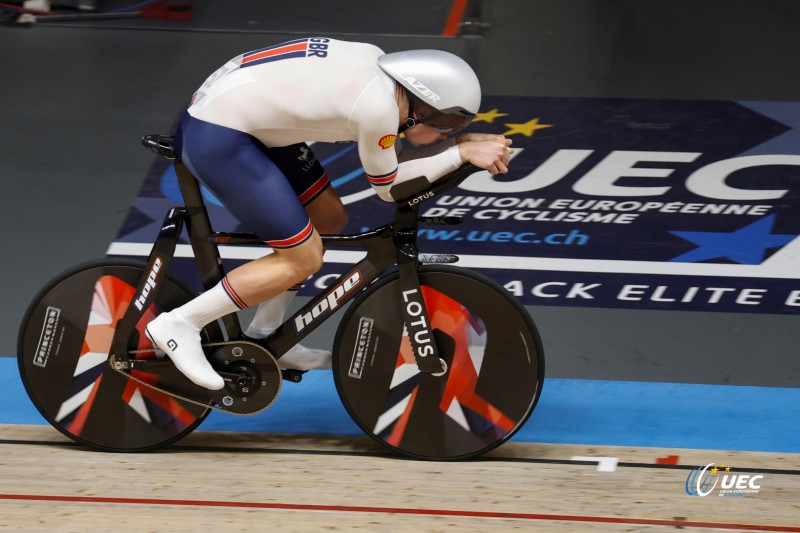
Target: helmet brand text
[{"x": 418, "y": 85}]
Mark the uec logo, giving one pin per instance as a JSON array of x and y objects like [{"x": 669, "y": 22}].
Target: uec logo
[{"x": 702, "y": 483}]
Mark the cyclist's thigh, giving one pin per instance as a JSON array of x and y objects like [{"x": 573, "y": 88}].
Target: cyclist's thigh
[
  {"x": 328, "y": 213},
  {"x": 237, "y": 169},
  {"x": 312, "y": 186},
  {"x": 305, "y": 173}
]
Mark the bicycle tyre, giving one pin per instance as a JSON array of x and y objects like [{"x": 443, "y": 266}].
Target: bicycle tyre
[
  {"x": 62, "y": 353},
  {"x": 495, "y": 366}
]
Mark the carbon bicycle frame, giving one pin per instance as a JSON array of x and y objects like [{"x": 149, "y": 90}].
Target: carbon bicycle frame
[{"x": 386, "y": 246}]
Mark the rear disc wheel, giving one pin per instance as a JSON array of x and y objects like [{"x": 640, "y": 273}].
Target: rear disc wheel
[{"x": 63, "y": 350}]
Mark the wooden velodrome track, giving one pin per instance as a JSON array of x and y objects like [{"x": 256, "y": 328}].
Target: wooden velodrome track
[{"x": 214, "y": 481}]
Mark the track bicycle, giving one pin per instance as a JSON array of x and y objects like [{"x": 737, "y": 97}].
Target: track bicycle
[{"x": 430, "y": 360}]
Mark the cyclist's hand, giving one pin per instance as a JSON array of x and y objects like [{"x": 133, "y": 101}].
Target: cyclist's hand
[{"x": 491, "y": 154}]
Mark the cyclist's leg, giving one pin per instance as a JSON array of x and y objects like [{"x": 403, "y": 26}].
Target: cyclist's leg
[
  {"x": 267, "y": 276},
  {"x": 310, "y": 182},
  {"x": 328, "y": 215},
  {"x": 237, "y": 169},
  {"x": 272, "y": 312}
]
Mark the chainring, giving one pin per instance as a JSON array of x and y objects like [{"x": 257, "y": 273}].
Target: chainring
[{"x": 252, "y": 378}]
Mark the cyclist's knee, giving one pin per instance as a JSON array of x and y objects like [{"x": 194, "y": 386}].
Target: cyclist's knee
[{"x": 304, "y": 259}]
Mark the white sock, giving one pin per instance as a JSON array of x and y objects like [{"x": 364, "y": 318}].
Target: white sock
[
  {"x": 209, "y": 306},
  {"x": 269, "y": 315}
]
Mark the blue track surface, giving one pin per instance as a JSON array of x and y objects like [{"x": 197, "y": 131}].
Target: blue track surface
[{"x": 570, "y": 411}]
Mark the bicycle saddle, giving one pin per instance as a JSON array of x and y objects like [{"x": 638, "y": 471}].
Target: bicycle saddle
[{"x": 160, "y": 144}]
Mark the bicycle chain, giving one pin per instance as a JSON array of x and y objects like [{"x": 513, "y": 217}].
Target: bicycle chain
[{"x": 117, "y": 367}]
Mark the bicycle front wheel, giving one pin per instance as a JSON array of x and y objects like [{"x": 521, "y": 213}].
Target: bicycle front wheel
[
  {"x": 493, "y": 354},
  {"x": 62, "y": 353}
]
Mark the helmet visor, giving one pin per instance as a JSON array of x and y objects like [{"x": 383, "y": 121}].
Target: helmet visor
[{"x": 446, "y": 122}]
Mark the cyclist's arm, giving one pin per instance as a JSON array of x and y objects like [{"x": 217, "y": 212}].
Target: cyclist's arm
[
  {"x": 433, "y": 161},
  {"x": 487, "y": 151},
  {"x": 378, "y": 157},
  {"x": 492, "y": 155},
  {"x": 380, "y": 160},
  {"x": 490, "y": 152},
  {"x": 375, "y": 121},
  {"x": 433, "y": 168},
  {"x": 409, "y": 152},
  {"x": 374, "y": 118}
]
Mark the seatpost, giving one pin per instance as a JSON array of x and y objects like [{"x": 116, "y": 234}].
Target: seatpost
[{"x": 198, "y": 227}]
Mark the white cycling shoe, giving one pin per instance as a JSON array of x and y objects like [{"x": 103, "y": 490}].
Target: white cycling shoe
[{"x": 181, "y": 342}]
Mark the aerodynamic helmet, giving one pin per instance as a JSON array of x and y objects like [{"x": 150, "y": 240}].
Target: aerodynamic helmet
[{"x": 442, "y": 87}]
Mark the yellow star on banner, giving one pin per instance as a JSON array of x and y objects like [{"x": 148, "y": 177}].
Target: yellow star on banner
[
  {"x": 526, "y": 129},
  {"x": 489, "y": 116},
  {"x": 714, "y": 470}
]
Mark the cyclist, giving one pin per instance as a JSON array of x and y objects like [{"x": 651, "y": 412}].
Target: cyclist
[{"x": 244, "y": 136}]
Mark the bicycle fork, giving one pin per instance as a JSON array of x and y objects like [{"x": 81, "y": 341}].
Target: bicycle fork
[{"x": 426, "y": 343}]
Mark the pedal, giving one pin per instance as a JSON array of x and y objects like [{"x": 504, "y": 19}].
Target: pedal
[{"x": 252, "y": 378}]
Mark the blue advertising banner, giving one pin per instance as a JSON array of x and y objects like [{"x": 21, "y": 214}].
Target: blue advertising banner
[{"x": 651, "y": 204}]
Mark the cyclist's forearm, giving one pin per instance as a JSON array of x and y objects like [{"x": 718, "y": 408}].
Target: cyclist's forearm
[
  {"x": 410, "y": 153},
  {"x": 432, "y": 168}
]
